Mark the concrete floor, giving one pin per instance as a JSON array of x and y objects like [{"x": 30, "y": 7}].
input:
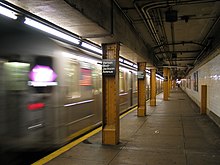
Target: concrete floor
[{"x": 172, "y": 133}]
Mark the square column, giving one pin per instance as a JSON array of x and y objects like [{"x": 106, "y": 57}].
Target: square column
[
  {"x": 141, "y": 111},
  {"x": 153, "y": 87},
  {"x": 110, "y": 97},
  {"x": 165, "y": 84},
  {"x": 169, "y": 81},
  {"x": 203, "y": 106}
]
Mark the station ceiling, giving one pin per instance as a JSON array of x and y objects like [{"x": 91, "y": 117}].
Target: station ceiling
[
  {"x": 179, "y": 32},
  {"x": 182, "y": 31}
]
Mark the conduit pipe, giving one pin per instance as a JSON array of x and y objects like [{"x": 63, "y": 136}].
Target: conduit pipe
[{"x": 148, "y": 20}]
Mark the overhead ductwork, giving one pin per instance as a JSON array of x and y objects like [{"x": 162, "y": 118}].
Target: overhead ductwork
[{"x": 171, "y": 16}]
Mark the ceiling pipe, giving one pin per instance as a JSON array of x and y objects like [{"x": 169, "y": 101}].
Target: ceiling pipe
[
  {"x": 184, "y": 59},
  {"x": 173, "y": 36},
  {"x": 181, "y": 43},
  {"x": 147, "y": 24},
  {"x": 163, "y": 29},
  {"x": 129, "y": 21},
  {"x": 179, "y": 51},
  {"x": 148, "y": 21},
  {"x": 152, "y": 5}
]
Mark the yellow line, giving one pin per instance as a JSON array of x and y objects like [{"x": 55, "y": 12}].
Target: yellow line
[
  {"x": 124, "y": 114},
  {"x": 72, "y": 144},
  {"x": 66, "y": 148}
]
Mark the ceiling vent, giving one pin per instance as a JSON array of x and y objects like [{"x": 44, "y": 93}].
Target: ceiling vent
[
  {"x": 174, "y": 55},
  {"x": 171, "y": 16}
]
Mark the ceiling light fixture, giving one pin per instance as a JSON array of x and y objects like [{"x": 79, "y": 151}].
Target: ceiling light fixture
[
  {"x": 50, "y": 30},
  {"x": 8, "y": 13},
  {"x": 91, "y": 47}
]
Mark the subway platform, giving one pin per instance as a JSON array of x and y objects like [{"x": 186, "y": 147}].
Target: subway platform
[{"x": 172, "y": 133}]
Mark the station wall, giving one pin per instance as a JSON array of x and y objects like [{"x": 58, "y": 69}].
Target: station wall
[{"x": 207, "y": 74}]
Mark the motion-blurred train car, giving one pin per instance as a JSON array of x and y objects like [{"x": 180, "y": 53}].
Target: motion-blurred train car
[{"x": 50, "y": 92}]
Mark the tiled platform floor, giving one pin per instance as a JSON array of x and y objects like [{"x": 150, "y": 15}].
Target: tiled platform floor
[{"x": 172, "y": 133}]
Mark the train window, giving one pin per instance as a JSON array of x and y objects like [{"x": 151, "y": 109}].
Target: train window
[
  {"x": 134, "y": 82},
  {"x": 96, "y": 78},
  {"x": 121, "y": 82},
  {"x": 85, "y": 77},
  {"x": 16, "y": 75},
  {"x": 72, "y": 79},
  {"x": 85, "y": 82},
  {"x": 147, "y": 80}
]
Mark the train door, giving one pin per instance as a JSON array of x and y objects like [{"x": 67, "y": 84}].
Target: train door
[
  {"x": 15, "y": 77},
  {"x": 41, "y": 107},
  {"x": 27, "y": 91},
  {"x": 134, "y": 88},
  {"x": 130, "y": 87},
  {"x": 2, "y": 100}
]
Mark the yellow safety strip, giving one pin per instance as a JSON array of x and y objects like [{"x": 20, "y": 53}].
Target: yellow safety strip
[{"x": 67, "y": 147}]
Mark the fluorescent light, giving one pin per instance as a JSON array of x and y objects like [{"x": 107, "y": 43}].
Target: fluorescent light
[
  {"x": 93, "y": 48},
  {"x": 50, "y": 30},
  {"x": 134, "y": 65},
  {"x": 7, "y": 12},
  {"x": 124, "y": 69},
  {"x": 89, "y": 60},
  {"x": 17, "y": 64},
  {"x": 159, "y": 76},
  {"x": 128, "y": 62},
  {"x": 147, "y": 71},
  {"x": 121, "y": 60}
]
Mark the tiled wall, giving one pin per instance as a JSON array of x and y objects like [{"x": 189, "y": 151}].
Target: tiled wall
[{"x": 208, "y": 74}]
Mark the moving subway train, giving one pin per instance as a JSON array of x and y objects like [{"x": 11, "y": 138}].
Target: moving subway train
[{"x": 51, "y": 92}]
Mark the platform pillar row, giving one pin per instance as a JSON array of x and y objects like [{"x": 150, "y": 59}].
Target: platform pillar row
[
  {"x": 165, "y": 84},
  {"x": 141, "y": 111},
  {"x": 110, "y": 86},
  {"x": 153, "y": 87}
]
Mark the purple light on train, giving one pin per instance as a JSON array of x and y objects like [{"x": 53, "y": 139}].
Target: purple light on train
[{"x": 42, "y": 73}]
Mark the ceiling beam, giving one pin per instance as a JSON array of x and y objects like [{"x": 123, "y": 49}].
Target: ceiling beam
[
  {"x": 180, "y": 43},
  {"x": 178, "y": 51},
  {"x": 182, "y": 59}
]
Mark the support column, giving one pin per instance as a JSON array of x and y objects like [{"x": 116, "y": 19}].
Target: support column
[
  {"x": 153, "y": 87},
  {"x": 203, "y": 107},
  {"x": 141, "y": 111},
  {"x": 165, "y": 84},
  {"x": 168, "y": 76},
  {"x": 174, "y": 84},
  {"x": 110, "y": 87}
]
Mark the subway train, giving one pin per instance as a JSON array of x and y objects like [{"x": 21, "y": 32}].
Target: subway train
[{"x": 50, "y": 91}]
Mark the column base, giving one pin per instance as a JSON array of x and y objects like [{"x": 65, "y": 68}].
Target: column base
[
  {"x": 141, "y": 112},
  {"x": 152, "y": 102},
  {"x": 110, "y": 135}
]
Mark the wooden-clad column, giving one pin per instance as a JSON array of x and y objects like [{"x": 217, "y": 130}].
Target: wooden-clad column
[
  {"x": 141, "y": 111},
  {"x": 168, "y": 76},
  {"x": 203, "y": 107},
  {"x": 110, "y": 87},
  {"x": 165, "y": 84},
  {"x": 153, "y": 87},
  {"x": 173, "y": 84}
]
